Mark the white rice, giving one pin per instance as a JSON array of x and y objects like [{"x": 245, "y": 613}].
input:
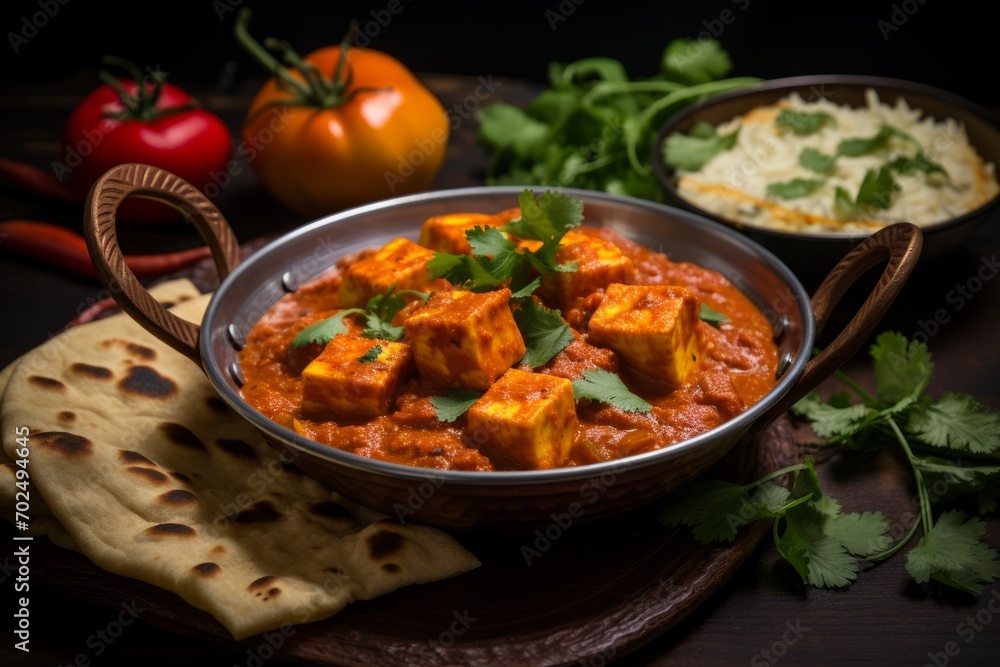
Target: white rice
[{"x": 733, "y": 184}]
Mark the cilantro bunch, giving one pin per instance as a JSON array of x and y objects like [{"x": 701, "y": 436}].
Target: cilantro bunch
[
  {"x": 953, "y": 440},
  {"x": 594, "y": 126}
]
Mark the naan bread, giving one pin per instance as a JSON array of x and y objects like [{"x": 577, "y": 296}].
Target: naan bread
[{"x": 154, "y": 477}]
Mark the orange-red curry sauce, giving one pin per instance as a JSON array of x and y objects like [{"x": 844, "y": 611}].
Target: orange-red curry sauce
[{"x": 737, "y": 370}]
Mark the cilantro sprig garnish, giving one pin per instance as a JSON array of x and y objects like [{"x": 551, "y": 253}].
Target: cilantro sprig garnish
[
  {"x": 606, "y": 387},
  {"x": 371, "y": 355},
  {"x": 378, "y": 314},
  {"x": 953, "y": 440},
  {"x": 496, "y": 260}
]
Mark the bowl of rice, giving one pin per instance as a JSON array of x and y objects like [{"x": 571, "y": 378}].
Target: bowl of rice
[{"x": 809, "y": 166}]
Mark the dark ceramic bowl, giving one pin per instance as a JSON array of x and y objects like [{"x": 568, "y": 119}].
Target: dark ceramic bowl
[
  {"x": 495, "y": 500},
  {"x": 812, "y": 255}
]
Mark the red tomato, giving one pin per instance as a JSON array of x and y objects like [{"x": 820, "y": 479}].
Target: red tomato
[{"x": 166, "y": 129}]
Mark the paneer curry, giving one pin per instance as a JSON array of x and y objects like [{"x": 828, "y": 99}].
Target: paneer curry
[{"x": 509, "y": 341}]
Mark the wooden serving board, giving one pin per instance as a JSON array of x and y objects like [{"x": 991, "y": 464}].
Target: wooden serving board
[
  {"x": 569, "y": 593},
  {"x": 594, "y": 592}
]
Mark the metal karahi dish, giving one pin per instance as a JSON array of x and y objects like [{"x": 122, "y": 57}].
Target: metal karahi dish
[
  {"x": 812, "y": 252},
  {"x": 505, "y": 499}
]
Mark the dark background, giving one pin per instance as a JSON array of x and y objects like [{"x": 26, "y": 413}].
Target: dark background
[{"x": 943, "y": 43}]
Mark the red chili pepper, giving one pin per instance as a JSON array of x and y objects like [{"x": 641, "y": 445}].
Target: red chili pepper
[
  {"x": 67, "y": 249},
  {"x": 35, "y": 181}
]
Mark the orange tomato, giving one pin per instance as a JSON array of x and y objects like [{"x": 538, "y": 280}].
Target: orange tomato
[{"x": 343, "y": 126}]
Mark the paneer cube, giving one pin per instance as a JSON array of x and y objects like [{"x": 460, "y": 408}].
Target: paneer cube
[
  {"x": 338, "y": 383},
  {"x": 464, "y": 339},
  {"x": 654, "y": 328},
  {"x": 400, "y": 261},
  {"x": 525, "y": 420},
  {"x": 446, "y": 233},
  {"x": 599, "y": 263}
]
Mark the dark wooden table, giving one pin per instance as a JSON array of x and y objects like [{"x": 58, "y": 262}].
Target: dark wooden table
[{"x": 762, "y": 617}]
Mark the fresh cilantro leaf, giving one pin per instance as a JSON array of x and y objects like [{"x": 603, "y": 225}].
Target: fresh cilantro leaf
[
  {"x": 958, "y": 422},
  {"x": 488, "y": 241},
  {"x": 813, "y": 160},
  {"x": 604, "y": 386},
  {"x": 708, "y": 314},
  {"x": 833, "y": 423},
  {"x": 371, "y": 355},
  {"x": 713, "y": 509},
  {"x": 528, "y": 289},
  {"x": 803, "y": 122},
  {"x": 454, "y": 405},
  {"x": 856, "y": 147},
  {"x": 797, "y": 187},
  {"x": 953, "y": 552},
  {"x": 463, "y": 270},
  {"x": 771, "y": 497},
  {"x": 877, "y": 190},
  {"x": 821, "y": 560},
  {"x": 324, "y": 331},
  {"x": 691, "y": 152},
  {"x": 544, "y": 331},
  {"x": 921, "y": 163},
  {"x": 957, "y": 476},
  {"x": 548, "y": 219},
  {"x": 902, "y": 371},
  {"x": 693, "y": 62},
  {"x": 862, "y": 534}
]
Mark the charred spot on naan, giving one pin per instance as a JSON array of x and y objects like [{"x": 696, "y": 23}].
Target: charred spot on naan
[
  {"x": 385, "y": 543},
  {"x": 145, "y": 382},
  {"x": 262, "y": 511},
  {"x": 170, "y": 530},
  {"x": 94, "y": 372},
  {"x": 66, "y": 416},
  {"x": 207, "y": 569},
  {"x": 130, "y": 457},
  {"x": 47, "y": 383},
  {"x": 216, "y": 404},
  {"x": 135, "y": 349},
  {"x": 181, "y": 477},
  {"x": 330, "y": 510},
  {"x": 237, "y": 448},
  {"x": 149, "y": 474},
  {"x": 177, "y": 498},
  {"x": 67, "y": 444},
  {"x": 258, "y": 586},
  {"x": 180, "y": 435},
  {"x": 391, "y": 568}
]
